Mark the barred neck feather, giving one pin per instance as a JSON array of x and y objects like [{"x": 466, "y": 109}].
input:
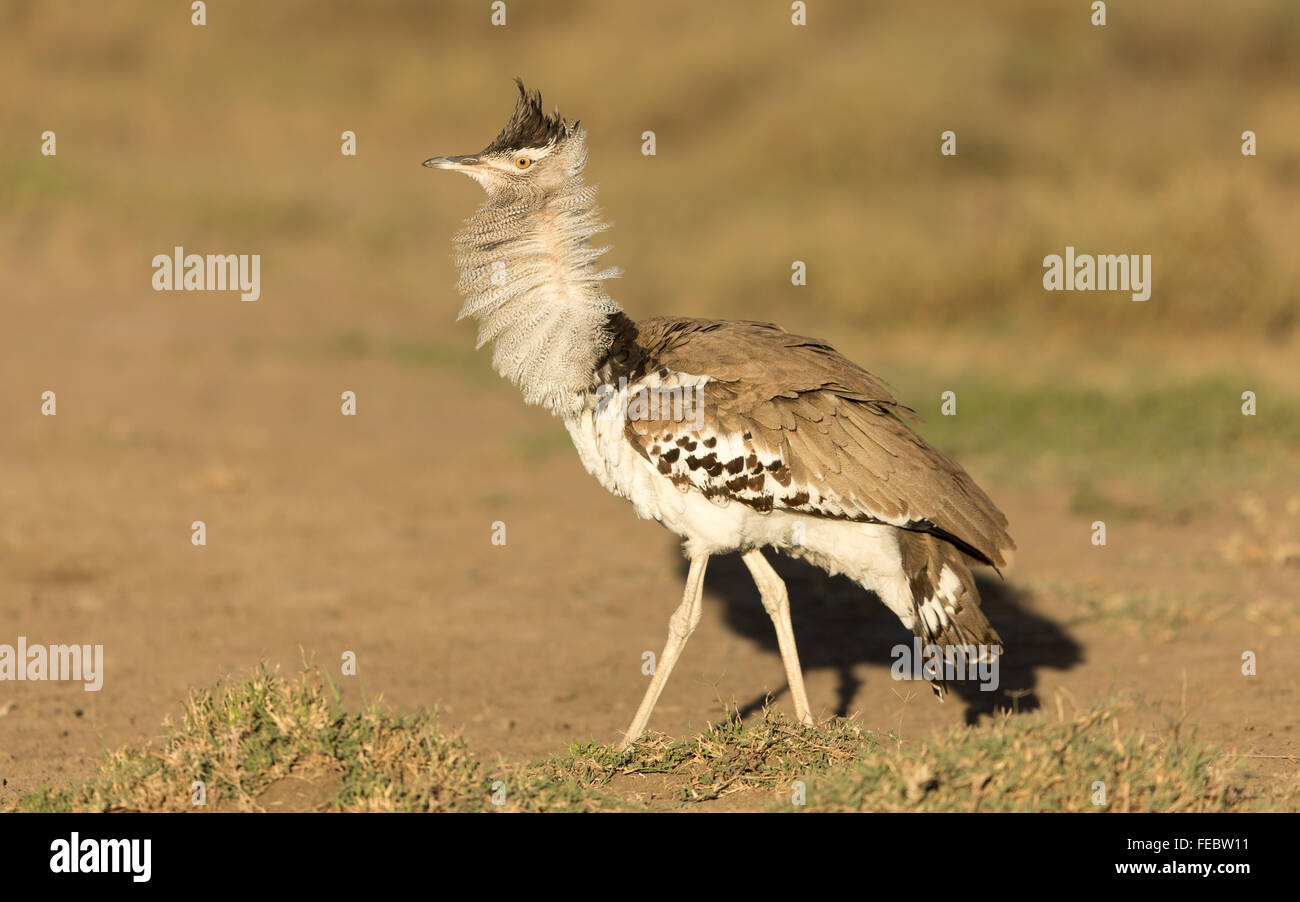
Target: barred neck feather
[{"x": 528, "y": 276}]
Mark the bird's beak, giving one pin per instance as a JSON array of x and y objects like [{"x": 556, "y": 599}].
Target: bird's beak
[{"x": 456, "y": 164}]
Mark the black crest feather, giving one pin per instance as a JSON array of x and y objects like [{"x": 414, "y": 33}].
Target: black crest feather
[{"x": 528, "y": 125}]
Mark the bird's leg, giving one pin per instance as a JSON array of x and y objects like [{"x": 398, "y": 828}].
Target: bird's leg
[
  {"x": 680, "y": 627},
  {"x": 777, "y": 603}
]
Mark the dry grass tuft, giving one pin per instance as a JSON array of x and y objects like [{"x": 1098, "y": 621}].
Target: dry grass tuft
[
  {"x": 1023, "y": 763},
  {"x": 264, "y": 742},
  {"x": 242, "y": 739}
]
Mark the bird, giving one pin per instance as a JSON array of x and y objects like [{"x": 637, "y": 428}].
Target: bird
[{"x": 737, "y": 436}]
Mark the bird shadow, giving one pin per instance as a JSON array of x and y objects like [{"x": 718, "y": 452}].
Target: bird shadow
[{"x": 838, "y": 625}]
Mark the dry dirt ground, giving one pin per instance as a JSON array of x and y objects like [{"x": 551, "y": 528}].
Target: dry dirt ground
[{"x": 372, "y": 534}]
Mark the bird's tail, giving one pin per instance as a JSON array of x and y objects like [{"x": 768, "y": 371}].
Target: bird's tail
[{"x": 946, "y": 607}]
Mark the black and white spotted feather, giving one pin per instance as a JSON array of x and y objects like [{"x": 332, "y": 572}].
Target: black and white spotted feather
[{"x": 788, "y": 424}]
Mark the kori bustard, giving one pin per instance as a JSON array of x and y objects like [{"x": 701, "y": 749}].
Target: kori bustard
[{"x": 734, "y": 435}]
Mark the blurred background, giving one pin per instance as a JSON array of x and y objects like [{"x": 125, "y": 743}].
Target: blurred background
[{"x": 774, "y": 144}]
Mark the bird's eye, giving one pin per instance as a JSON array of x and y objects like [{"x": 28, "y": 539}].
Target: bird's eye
[{"x": 523, "y": 162}]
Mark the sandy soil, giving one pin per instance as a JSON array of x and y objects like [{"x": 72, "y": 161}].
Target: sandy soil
[{"x": 372, "y": 534}]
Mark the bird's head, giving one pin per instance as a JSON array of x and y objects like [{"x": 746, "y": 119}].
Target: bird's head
[{"x": 534, "y": 155}]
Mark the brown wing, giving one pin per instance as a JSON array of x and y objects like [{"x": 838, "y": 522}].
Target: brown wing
[{"x": 786, "y": 423}]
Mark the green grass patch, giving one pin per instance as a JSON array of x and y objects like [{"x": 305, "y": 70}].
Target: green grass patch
[
  {"x": 726, "y": 758},
  {"x": 264, "y": 742},
  {"x": 242, "y": 737},
  {"x": 1155, "y": 438},
  {"x": 459, "y": 360},
  {"x": 1023, "y": 763},
  {"x": 540, "y": 445}
]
